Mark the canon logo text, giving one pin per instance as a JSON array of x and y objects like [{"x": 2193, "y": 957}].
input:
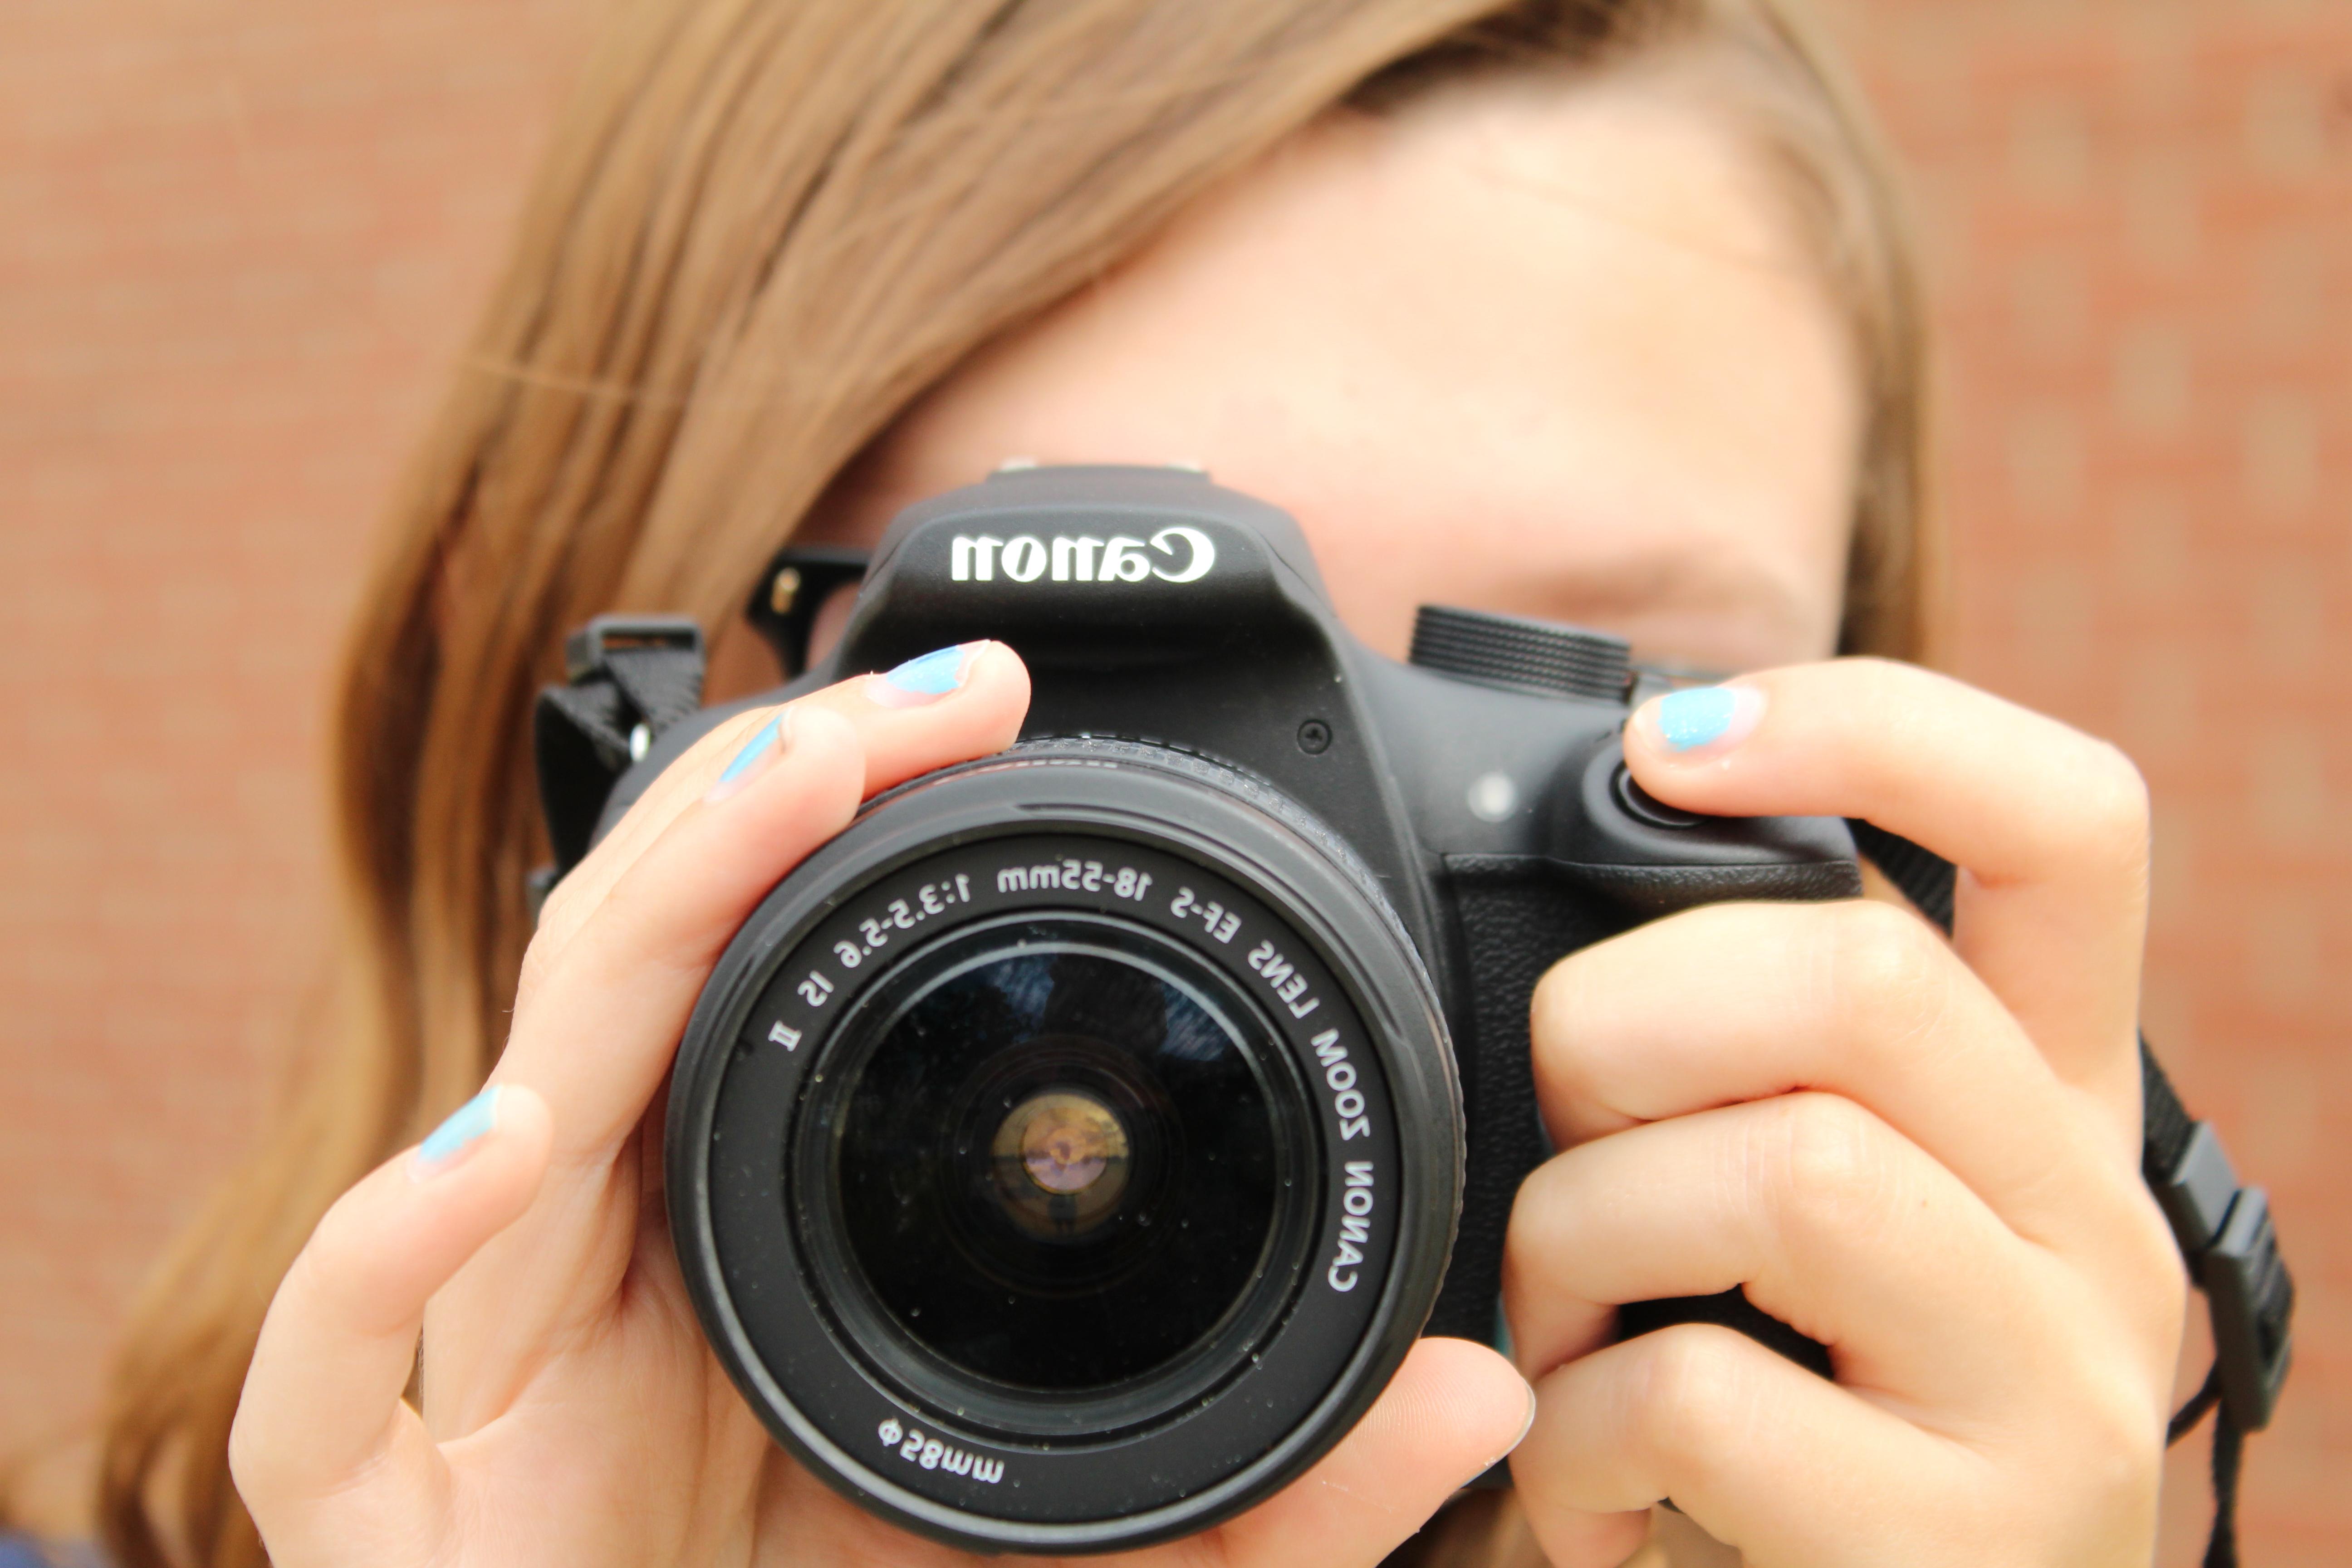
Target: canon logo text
[{"x": 1173, "y": 556}]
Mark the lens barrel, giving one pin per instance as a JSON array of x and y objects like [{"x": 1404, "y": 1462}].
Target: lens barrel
[{"x": 1062, "y": 1158}]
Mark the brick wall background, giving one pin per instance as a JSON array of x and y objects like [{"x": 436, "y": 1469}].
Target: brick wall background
[
  {"x": 2139, "y": 213},
  {"x": 239, "y": 242}
]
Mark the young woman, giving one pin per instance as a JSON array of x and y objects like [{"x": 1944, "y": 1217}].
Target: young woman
[{"x": 1586, "y": 310}]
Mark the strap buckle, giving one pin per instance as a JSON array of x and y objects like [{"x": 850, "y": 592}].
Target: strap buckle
[
  {"x": 589, "y": 651},
  {"x": 2225, "y": 1232}
]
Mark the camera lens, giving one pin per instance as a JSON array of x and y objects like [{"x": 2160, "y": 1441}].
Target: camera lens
[
  {"x": 1050, "y": 1161},
  {"x": 1064, "y": 1155}
]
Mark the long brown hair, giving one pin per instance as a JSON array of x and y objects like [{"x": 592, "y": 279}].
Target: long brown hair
[{"x": 764, "y": 228}]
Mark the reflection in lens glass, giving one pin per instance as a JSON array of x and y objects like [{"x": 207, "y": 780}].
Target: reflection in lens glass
[
  {"x": 1055, "y": 1162},
  {"x": 1060, "y": 1161}
]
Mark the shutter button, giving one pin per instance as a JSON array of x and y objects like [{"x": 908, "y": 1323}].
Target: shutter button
[{"x": 1643, "y": 806}]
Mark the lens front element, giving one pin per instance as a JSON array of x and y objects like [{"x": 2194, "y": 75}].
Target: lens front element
[
  {"x": 1052, "y": 1153},
  {"x": 1073, "y": 1151}
]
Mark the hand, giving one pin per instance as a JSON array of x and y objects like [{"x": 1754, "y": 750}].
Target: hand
[
  {"x": 571, "y": 1414},
  {"x": 1924, "y": 1155}
]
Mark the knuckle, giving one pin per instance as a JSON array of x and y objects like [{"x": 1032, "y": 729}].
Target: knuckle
[
  {"x": 1555, "y": 998},
  {"x": 1888, "y": 973},
  {"x": 1555, "y": 1027},
  {"x": 562, "y": 905},
  {"x": 1830, "y": 1169},
  {"x": 1693, "y": 1403},
  {"x": 2114, "y": 805},
  {"x": 2115, "y": 1438},
  {"x": 335, "y": 1275},
  {"x": 321, "y": 1271},
  {"x": 2129, "y": 1421},
  {"x": 249, "y": 1461},
  {"x": 567, "y": 904},
  {"x": 2149, "y": 1273},
  {"x": 533, "y": 973},
  {"x": 559, "y": 918},
  {"x": 1536, "y": 1236}
]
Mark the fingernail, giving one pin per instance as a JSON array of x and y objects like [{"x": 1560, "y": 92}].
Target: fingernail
[
  {"x": 758, "y": 752},
  {"x": 466, "y": 1127},
  {"x": 1720, "y": 716},
  {"x": 925, "y": 679},
  {"x": 1526, "y": 1426}
]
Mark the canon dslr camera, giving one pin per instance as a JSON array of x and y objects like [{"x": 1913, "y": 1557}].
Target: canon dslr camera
[{"x": 1063, "y": 1157}]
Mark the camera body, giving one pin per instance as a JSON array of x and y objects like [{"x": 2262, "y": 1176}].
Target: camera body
[{"x": 1063, "y": 1157}]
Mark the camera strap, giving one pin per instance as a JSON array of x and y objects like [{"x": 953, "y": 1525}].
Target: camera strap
[
  {"x": 626, "y": 679},
  {"x": 629, "y": 678},
  {"x": 2223, "y": 1229}
]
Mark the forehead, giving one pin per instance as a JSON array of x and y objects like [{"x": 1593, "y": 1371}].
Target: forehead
[{"x": 1525, "y": 346}]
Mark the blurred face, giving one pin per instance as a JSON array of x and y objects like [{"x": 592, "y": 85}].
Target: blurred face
[{"x": 1543, "y": 349}]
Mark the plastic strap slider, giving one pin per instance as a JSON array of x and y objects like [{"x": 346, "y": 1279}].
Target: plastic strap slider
[
  {"x": 2225, "y": 1234},
  {"x": 2253, "y": 1300},
  {"x": 587, "y": 650}
]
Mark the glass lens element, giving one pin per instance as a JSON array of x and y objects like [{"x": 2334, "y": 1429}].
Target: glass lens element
[
  {"x": 1061, "y": 1163},
  {"x": 1055, "y": 1162}
]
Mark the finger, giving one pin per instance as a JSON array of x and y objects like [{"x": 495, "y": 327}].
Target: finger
[
  {"x": 972, "y": 697},
  {"x": 959, "y": 702},
  {"x": 601, "y": 1023},
  {"x": 1832, "y": 1223},
  {"x": 596, "y": 1035},
  {"x": 658, "y": 922},
  {"x": 324, "y": 1452},
  {"x": 1760, "y": 1453},
  {"x": 1452, "y": 1409},
  {"x": 2049, "y": 826},
  {"x": 986, "y": 696},
  {"x": 1743, "y": 1002}
]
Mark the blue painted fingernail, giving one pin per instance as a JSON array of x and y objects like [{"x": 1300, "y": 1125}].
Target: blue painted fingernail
[
  {"x": 925, "y": 679},
  {"x": 1705, "y": 715},
  {"x": 465, "y": 1126},
  {"x": 757, "y": 753}
]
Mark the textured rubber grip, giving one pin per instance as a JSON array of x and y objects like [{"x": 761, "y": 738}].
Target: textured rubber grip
[{"x": 1536, "y": 656}]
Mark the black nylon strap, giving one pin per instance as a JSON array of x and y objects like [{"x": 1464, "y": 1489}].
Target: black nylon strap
[
  {"x": 1925, "y": 877},
  {"x": 2165, "y": 1127},
  {"x": 630, "y": 677},
  {"x": 2184, "y": 1420},
  {"x": 2228, "y": 1456},
  {"x": 663, "y": 684},
  {"x": 2224, "y": 1230}
]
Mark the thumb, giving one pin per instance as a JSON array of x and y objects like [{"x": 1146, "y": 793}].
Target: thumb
[
  {"x": 333, "y": 1463},
  {"x": 1452, "y": 1409}
]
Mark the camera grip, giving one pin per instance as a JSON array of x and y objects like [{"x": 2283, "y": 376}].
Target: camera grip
[
  {"x": 1620, "y": 837},
  {"x": 1616, "y": 864}
]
